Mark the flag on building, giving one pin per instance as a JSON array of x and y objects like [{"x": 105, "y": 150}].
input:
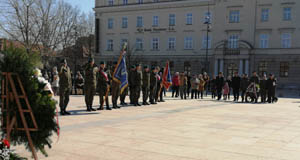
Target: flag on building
[
  {"x": 167, "y": 79},
  {"x": 120, "y": 73}
]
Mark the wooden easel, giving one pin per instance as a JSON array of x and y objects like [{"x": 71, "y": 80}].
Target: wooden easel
[{"x": 9, "y": 94}]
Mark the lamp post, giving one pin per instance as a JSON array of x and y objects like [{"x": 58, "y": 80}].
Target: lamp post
[{"x": 208, "y": 27}]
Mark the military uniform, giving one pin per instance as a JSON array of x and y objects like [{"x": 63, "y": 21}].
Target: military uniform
[
  {"x": 136, "y": 82},
  {"x": 132, "y": 70},
  {"x": 153, "y": 86},
  {"x": 90, "y": 85},
  {"x": 115, "y": 90},
  {"x": 123, "y": 96},
  {"x": 146, "y": 85},
  {"x": 65, "y": 87},
  {"x": 102, "y": 86}
]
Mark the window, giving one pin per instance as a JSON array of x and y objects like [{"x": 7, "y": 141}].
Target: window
[
  {"x": 110, "y": 23},
  {"x": 207, "y": 17},
  {"x": 264, "y": 41},
  {"x": 155, "y": 21},
  {"x": 125, "y": 2},
  {"x": 284, "y": 69},
  {"x": 172, "y": 19},
  {"x": 171, "y": 43},
  {"x": 139, "y": 45},
  {"x": 286, "y": 40},
  {"x": 265, "y": 15},
  {"x": 189, "y": 19},
  {"x": 206, "y": 39},
  {"x": 155, "y": 44},
  {"x": 123, "y": 41},
  {"x": 139, "y": 21},
  {"x": 124, "y": 22},
  {"x": 110, "y": 2},
  {"x": 262, "y": 68},
  {"x": 234, "y": 16},
  {"x": 287, "y": 14},
  {"x": 140, "y": 2},
  {"x": 188, "y": 43},
  {"x": 233, "y": 41},
  {"x": 110, "y": 45}
]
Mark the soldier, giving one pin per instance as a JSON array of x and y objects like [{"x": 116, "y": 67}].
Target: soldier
[
  {"x": 103, "y": 86},
  {"x": 153, "y": 85},
  {"x": 123, "y": 97},
  {"x": 136, "y": 82},
  {"x": 90, "y": 84},
  {"x": 146, "y": 85},
  {"x": 115, "y": 89},
  {"x": 65, "y": 87},
  {"x": 132, "y": 70}
]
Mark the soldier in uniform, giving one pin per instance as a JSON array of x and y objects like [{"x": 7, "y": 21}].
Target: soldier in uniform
[
  {"x": 123, "y": 97},
  {"x": 136, "y": 82},
  {"x": 65, "y": 87},
  {"x": 132, "y": 70},
  {"x": 90, "y": 84},
  {"x": 153, "y": 85},
  {"x": 115, "y": 89},
  {"x": 102, "y": 86},
  {"x": 146, "y": 85}
]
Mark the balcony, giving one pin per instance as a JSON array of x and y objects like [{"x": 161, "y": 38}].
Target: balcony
[{"x": 231, "y": 51}]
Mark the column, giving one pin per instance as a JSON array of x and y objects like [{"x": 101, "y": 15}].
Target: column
[
  {"x": 247, "y": 67},
  {"x": 216, "y": 67},
  {"x": 222, "y": 65},
  {"x": 241, "y": 67}
]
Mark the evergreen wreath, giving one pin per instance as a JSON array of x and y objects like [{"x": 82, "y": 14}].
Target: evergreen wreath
[{"x": 18, "y": 61}]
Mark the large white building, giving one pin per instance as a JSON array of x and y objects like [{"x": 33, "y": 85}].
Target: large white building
[{"x": 246, "y": 35}]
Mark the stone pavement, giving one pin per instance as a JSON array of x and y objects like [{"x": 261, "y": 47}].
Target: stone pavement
[{"x": 180, "y": 130}]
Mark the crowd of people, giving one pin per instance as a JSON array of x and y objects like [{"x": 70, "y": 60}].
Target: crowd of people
[{"x": 148, "y": 81}]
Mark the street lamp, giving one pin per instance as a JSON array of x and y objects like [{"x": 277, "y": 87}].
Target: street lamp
[{"x": 208, "y": 27}]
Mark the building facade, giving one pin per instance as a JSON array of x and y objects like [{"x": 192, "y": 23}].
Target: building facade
[{"x": 244, "y": 35}]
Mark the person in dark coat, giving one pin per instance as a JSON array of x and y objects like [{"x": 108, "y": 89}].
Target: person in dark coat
[
  {"x": 263, "y": 89},
  {"x": 132, "y": 70},
  {"x": 244, "y": 85},
  {"x": 255, "y": 79},
  {"x": 271, "y": 87},
  {"x": 136, "y": 83},
  {"x": 236, "y": 82},
  {"x": 153, "y": 85},
  {"x": 229, "y": 81},
  {"x": 188, "y": 84},
  {"x": 219, "y": 84},
  {"x": 213, "y": 88}
]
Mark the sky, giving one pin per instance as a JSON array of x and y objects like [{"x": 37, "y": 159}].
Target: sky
[{"x": 85, "y": 5}]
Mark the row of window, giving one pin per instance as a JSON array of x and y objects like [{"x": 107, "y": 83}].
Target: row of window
[
  {"x": 155, "y": 20},
  {"x": 125, "y": 2},
  {"x": 155, "y": 44},
  {"x": 233, "y": 42},
  {"x": 234, "y": 17}
]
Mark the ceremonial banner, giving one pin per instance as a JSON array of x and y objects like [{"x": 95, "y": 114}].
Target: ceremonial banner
[
  {"x": 120, "y": 74},
  {"x": 167, "y": 79}
]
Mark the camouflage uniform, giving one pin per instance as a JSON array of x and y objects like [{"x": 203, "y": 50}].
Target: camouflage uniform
[
  {"x": 65, "y": 87},
  {"x": 115, "y": 90},
  {"x": 153, "y": 86},
  {"x": 102, "y": 86},
  {"x": 136, "y": 82},
  {"x": 90, "y": 85},
  {"x": 146, "y": 86}
]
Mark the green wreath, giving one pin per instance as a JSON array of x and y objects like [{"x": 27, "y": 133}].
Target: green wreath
[{"x": 43, "y": 106}]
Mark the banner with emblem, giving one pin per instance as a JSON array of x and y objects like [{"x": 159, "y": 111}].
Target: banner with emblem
[{"x": 120, "y": 73}]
